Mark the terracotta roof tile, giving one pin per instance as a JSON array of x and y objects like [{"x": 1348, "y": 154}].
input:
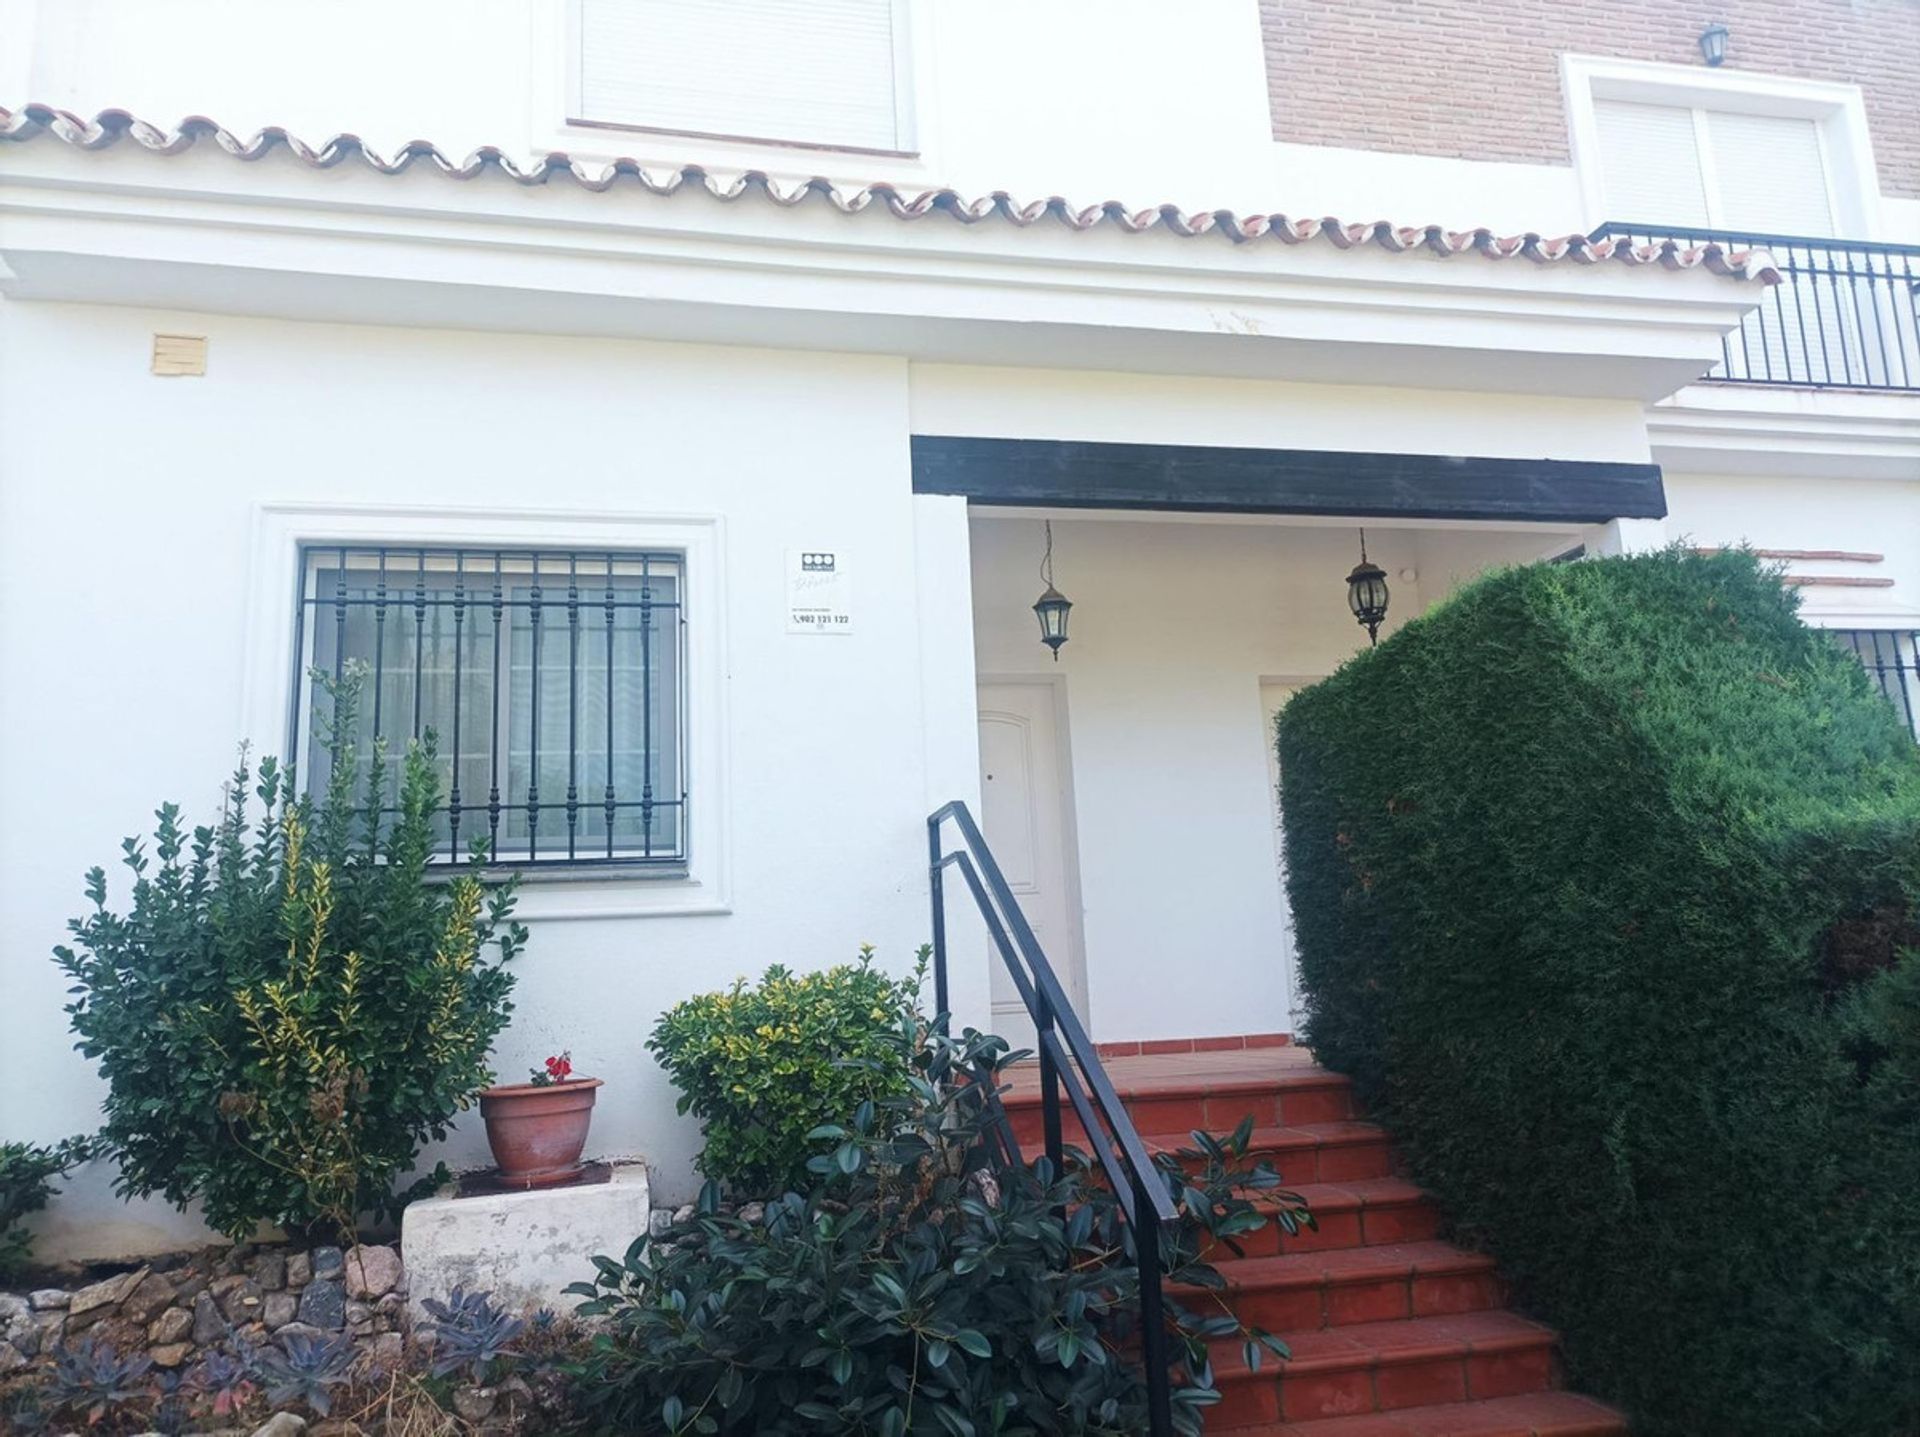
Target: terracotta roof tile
[{"x": 110, "y": 127}]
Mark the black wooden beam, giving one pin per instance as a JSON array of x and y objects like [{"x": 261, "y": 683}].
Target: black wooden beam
[{"x": 1199, "y": 478}]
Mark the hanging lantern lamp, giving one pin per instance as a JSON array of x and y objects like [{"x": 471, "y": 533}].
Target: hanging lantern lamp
[
  {"x": 1367, "y": 593},
  {"x": 1052, "y": 606},
  {"x": 1713, "y": 44}
]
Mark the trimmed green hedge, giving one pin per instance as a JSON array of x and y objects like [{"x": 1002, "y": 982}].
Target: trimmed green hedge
[{"x": 1605, "y": 880}]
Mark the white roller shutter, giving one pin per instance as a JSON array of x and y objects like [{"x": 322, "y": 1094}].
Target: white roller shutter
[
  {"x": 1650, "y": 165},
  {"x": 1770, "y": 174},
  {"x": 819, "y": 72}
]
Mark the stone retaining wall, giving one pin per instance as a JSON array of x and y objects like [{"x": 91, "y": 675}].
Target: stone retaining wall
[{"x": 177, "y": 1308}]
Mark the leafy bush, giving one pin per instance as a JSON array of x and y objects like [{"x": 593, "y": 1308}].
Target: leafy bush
[
  {"x": 762, "y": 1067},
  {"x": 914, "y": 1286},
  {"x": 285, "y": 1015},
  {"x": 27, "y": 1172},
  {"x": 1605, "y": 880}
]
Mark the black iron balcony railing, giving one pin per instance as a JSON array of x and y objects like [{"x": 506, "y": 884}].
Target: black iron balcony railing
[{"x": 1846, "y": 317}]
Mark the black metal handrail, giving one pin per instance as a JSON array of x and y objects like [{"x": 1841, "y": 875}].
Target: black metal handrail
[
  {"x": 1847, "y": 315},
  {"x": 1069, "y": 1062}
]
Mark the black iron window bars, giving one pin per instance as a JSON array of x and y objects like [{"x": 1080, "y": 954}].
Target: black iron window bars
[
  {"x": 1891, "y": 658},
  {"x": 552, "y": 682}
]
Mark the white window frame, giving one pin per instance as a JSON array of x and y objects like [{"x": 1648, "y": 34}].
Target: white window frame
[
  {"x": 282, "y": 532},
  {"x": 557, "y": 123},
  {"x": 1840, "y": 111}
]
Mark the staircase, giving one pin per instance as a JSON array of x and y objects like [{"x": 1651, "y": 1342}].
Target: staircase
[{"x": 1394, "y": 1333}]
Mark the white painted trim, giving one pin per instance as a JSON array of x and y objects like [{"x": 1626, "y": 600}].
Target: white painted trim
[
  {"x": 1853, "y": 177},
  {"x": 1901, "y": 619},
  {"x": 273, "y": 581}
]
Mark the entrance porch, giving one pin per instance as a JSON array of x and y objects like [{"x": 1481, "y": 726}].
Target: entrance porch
[{"x": 1128, "y": 789}]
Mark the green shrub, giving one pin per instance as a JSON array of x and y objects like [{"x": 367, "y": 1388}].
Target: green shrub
[
  {"x": 1605, "y": 880},
  {"x": 284, "y": 1016},
  {"x": 912, "y": 1285},
  {"x": 27, "y": 1173},
  {"x": 761, "y": 1067}
]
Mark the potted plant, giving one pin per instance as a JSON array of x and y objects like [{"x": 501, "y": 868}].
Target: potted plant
[{"x": 538, "y": 1128}]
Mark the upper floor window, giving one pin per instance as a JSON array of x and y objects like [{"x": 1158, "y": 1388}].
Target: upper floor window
[
  {"x": 551, "y": 682},
  {"x": 1703, "y": 168},
  {"x": 825, "y": 73}
]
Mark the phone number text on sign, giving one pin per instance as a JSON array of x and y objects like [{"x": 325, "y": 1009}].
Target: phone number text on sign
[{"x": 819, "y": 595}]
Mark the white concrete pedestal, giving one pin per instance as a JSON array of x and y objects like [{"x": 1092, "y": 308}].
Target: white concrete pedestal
[{"x": 524, "y": 1248}]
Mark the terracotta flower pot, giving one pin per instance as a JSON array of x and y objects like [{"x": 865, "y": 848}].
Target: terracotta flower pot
[{"x": 537, "y": 1131}]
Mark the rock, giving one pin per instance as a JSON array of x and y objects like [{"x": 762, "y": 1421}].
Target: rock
[
  {"x": 153, "y": 1296},
  {"x": 15, "y": 1312},
  {"x": 173, "y": 1325},
  {"x": 190, "y": 1285},
  {"x": 372, "y": 1271},
  {"x": 281, "y": 1424},
  {"x": 683, "y": 1214},
  {"x": 172, "y": 1261},
  {"x": 52, "y": 1327},
  {"x": 299, "y": 1269},
  {"x": 297, "y": 1329},
  {"x": 753, "y": 1212},
  {"x": 208, "y": 1325},
  {"x": 328, "y": 1261},
  {"x": 11, "y": 1360},
  {"x": 392, "y": 1311},
  {"x": 96, "y": 1299},
  {"x": 269, "y": 1270},
  {"x": 360, "y": 1318},
  {"x": 324, "y": 1305},
  {"x": 388, "y": 1351},
  {"x": 48, "y": 1299},
  {"x": 25, "y": 1339},
  {"x": 279, "y": 1309},
  {"x": 241, "y": 1301},
  {"x": 475, "y": 1404},
  {"x": 659, "y": 1221},
  {"x": 170, "y": 1354}
]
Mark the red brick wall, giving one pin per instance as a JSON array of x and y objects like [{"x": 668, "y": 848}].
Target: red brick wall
[{"x": 1480, "y": 79}]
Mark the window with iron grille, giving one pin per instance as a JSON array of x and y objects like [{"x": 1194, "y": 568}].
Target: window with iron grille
[
  {"x": 1892, "y": 660},
  {"x": 551, "y": 682}
]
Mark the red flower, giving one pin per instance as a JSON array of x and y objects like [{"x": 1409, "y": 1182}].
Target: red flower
[{"x": 561, "y": 1068}]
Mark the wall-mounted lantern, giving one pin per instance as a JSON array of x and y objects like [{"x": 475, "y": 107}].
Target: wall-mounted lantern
[
  {"x": 1713, "y": 43},
  {"x": 1367, "y": 593},
  {"x": 1052, "y": 606}
]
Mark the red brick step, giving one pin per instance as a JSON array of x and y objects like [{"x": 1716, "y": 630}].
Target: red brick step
[
  {"x": 1537, "y": 1414},
  {"x": 1383, "y": 1366},
  {"x": 1351, "y": 1285},
  {"x": 1393, "y": 1332}
]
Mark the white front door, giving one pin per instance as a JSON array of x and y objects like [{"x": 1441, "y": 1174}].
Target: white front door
[
  {"x": 1274, "y": 694},
  {"x": 1025, "y": 815}
]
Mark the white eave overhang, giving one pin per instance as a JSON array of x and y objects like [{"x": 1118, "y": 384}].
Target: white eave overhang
[
  {"x": 199, "y": 231},
  {"x": 1757, "y": 430}
]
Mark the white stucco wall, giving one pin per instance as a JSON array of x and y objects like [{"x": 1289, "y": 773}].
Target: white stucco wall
[
  {"x": 127, "y": 506},
  {"x": 1870, "y": 516}
]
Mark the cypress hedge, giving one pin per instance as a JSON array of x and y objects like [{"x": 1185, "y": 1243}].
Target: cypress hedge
[{"x": 1605, "y": 880}]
